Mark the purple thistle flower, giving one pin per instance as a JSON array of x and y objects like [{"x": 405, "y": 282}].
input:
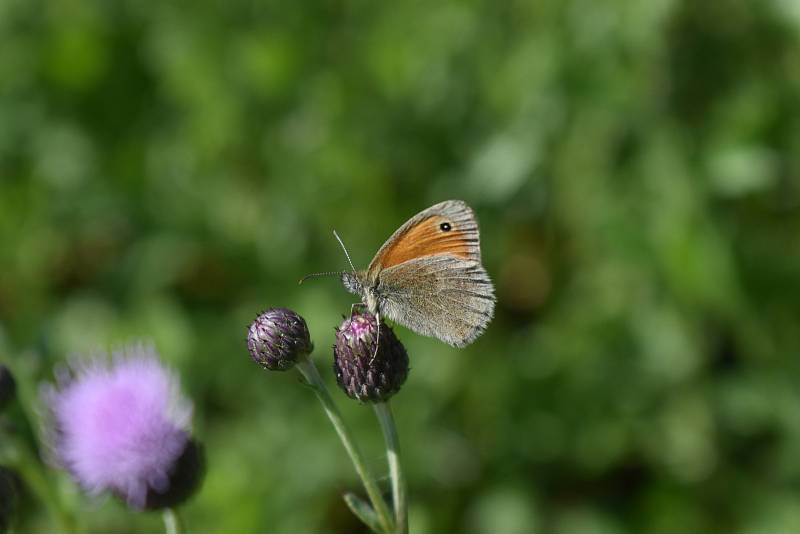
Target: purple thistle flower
[
  {"x": 120, "y": 426},
  {"x": 367, "y": 368}
]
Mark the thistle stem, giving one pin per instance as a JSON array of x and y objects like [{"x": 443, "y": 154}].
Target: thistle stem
[
  {"x": 384, "y": 413},
  {"x": 172, "y": 521},
  {"x": 309, "y": 371}
]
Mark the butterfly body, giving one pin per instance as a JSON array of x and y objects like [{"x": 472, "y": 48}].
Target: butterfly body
[{"x": 428, "y": 276}]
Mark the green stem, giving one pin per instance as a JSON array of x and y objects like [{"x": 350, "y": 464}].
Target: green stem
[
  {"x": 309, "y": 371},
  {"x": 384, "y": 414},
  {"x": 172, "y": 521}
]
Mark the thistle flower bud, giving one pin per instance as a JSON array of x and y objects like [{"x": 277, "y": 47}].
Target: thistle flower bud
[
  {"x": 9, "y": 487},
  {"x": 361, "y": 372},
  {"x": 277, "y": 338},
  {"x": 8, "y": 387}
]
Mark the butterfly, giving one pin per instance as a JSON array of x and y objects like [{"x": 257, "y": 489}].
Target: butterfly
[{"x": 428, "y": 276}]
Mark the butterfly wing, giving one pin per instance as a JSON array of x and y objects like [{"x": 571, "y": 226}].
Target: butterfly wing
[
  {"x": 440, "y": 295},
  {"x": 449, "y": 227}
]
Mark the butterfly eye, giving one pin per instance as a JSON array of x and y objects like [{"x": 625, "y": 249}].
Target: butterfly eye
[{"x": 445, "y": 227}]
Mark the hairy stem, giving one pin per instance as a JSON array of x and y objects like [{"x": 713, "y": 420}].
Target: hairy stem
[
  {"x": 309, "y": 371},
  {"x": 384, "y": 414},
  {"x": 172, "y": 522}
]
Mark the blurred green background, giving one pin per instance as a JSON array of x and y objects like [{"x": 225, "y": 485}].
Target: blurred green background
[{"x": 168, "y": 170}]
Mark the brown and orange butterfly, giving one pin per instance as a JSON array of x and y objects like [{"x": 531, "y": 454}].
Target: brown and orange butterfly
[{"x": 428, "y": 276}]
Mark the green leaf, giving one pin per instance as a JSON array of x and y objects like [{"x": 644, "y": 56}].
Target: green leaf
[{"x": 362, "y": 510}]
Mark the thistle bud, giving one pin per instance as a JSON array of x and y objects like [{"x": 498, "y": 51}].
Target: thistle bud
[
  {"x": 277, "y": 338},
  {"x": 362, "y": 372},
  {"x": 9, "y": 488},
  {"x": 8, "y": 387}
]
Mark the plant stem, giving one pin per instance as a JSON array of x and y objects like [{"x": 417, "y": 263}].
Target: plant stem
[
  {"x": 309, "y": 371},
  {"x": 172, "y": 522},
  {"x": 384, "y": 413}
]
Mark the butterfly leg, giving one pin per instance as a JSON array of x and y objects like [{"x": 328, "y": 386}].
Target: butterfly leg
[
  {"x": 357, "y": 305},
  {"x": 377, "y": 337}
]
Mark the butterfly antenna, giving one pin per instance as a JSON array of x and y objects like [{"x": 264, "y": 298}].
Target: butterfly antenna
[
  {"x": 317, "y": 275},
  {"x": 339, "y": 239}
]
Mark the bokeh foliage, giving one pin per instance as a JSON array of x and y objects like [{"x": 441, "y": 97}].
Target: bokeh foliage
[{"x": 169, "y": 169}]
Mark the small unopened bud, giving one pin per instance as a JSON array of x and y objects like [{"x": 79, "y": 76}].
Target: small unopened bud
[
  {"x": 362, "y": 372},
  {"x": 277, "y": 338},
  {"x": 8, "y": 387}
]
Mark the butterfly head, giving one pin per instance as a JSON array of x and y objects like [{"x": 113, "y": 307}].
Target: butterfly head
[
  {"x": 357, "y": 282},
  {"x": 352, "y": 282}
]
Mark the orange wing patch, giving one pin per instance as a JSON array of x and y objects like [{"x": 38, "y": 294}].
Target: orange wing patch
[{"x": 431, "y": 236}]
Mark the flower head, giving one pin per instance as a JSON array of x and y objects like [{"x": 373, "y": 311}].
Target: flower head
[
  {"x": 8, "y": 387},
  {"x": 120, "y": 426},
  {"x": 277, "y": 338},
  {"x": 9, "y": 488},
  {"x": 362, "y": 372}
]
